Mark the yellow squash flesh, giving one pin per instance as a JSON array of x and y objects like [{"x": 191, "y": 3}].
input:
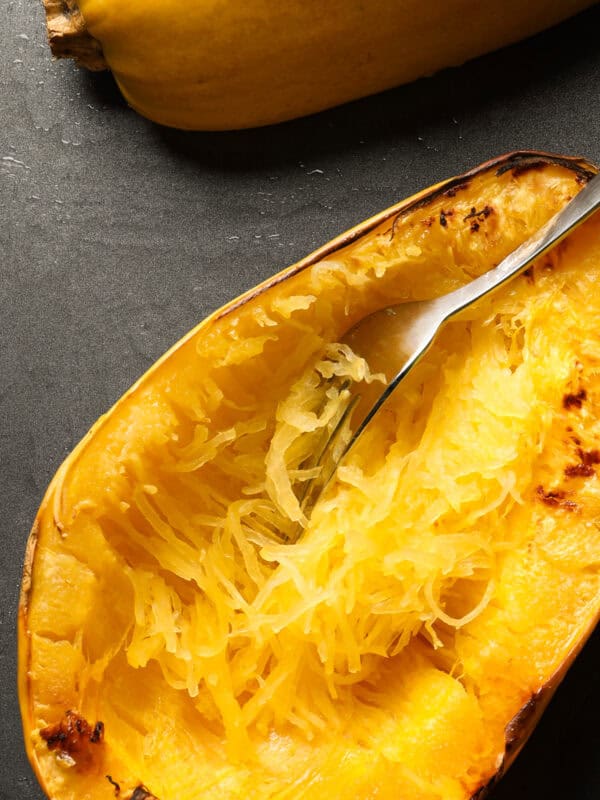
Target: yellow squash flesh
[
  {"x": 404, "y": 646},
  {"x": 221, "y": 64}
]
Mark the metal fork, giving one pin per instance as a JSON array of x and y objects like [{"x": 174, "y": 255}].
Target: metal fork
[{"x": 393, "y": 339}]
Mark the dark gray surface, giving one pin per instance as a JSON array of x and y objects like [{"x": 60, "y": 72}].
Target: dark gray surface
[{"x": 117, "y": 236}]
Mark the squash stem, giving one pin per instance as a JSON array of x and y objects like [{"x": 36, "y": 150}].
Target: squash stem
[{"x": 69, "y": 37}]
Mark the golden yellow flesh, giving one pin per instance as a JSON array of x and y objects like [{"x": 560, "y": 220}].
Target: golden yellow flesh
[
  {"x": 217, "y": 64},
  {"x": 445, "y": 578}
]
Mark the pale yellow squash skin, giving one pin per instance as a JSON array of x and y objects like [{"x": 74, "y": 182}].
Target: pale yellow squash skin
[{"x": 223, "y": 64}]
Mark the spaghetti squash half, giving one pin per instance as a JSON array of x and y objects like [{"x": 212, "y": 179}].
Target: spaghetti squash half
[{"x": 176, "y": 641}]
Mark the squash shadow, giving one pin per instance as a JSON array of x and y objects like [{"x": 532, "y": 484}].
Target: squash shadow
[{"x": 521, "y": 77}]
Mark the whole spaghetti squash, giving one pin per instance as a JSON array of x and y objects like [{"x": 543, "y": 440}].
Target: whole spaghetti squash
[
  {"x": 217, "y": 64},
  {"x": 179, "y": 640}
]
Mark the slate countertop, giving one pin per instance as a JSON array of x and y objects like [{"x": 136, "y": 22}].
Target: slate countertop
[{"x": 117, "y": 236}]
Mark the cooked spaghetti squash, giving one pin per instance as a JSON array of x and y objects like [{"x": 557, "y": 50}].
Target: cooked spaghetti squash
[{"x": 179, "y": 640}]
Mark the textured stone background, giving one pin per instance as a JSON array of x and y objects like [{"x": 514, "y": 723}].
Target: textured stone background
[{"x": 117, "y": 236}]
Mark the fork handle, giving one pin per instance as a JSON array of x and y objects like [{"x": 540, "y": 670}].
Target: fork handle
[{"x": 571, "y": 216}]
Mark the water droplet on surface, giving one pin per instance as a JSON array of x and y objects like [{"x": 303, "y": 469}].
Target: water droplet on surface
[{"x": 15, "y": 161}]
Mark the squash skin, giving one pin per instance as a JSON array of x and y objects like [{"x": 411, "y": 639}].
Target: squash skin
[
  {"x": 261, "y": 62},
  {"x": 519, "y": 728}
]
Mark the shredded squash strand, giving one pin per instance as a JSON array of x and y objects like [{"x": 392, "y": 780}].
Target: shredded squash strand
[{"x": 277, "y": 633}]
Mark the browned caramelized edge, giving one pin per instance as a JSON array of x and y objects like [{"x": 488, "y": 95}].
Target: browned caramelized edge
[
  {"x": 73, "y": 734},
  {"x": 519, "y": 729},
  {"x": 522, "y": 725},
  {"x": 140, "y": 792},
  {"x": 519, "y": 161}
]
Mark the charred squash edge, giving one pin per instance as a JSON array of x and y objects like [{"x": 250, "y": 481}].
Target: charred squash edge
[{"x": 523, "y": 723}]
